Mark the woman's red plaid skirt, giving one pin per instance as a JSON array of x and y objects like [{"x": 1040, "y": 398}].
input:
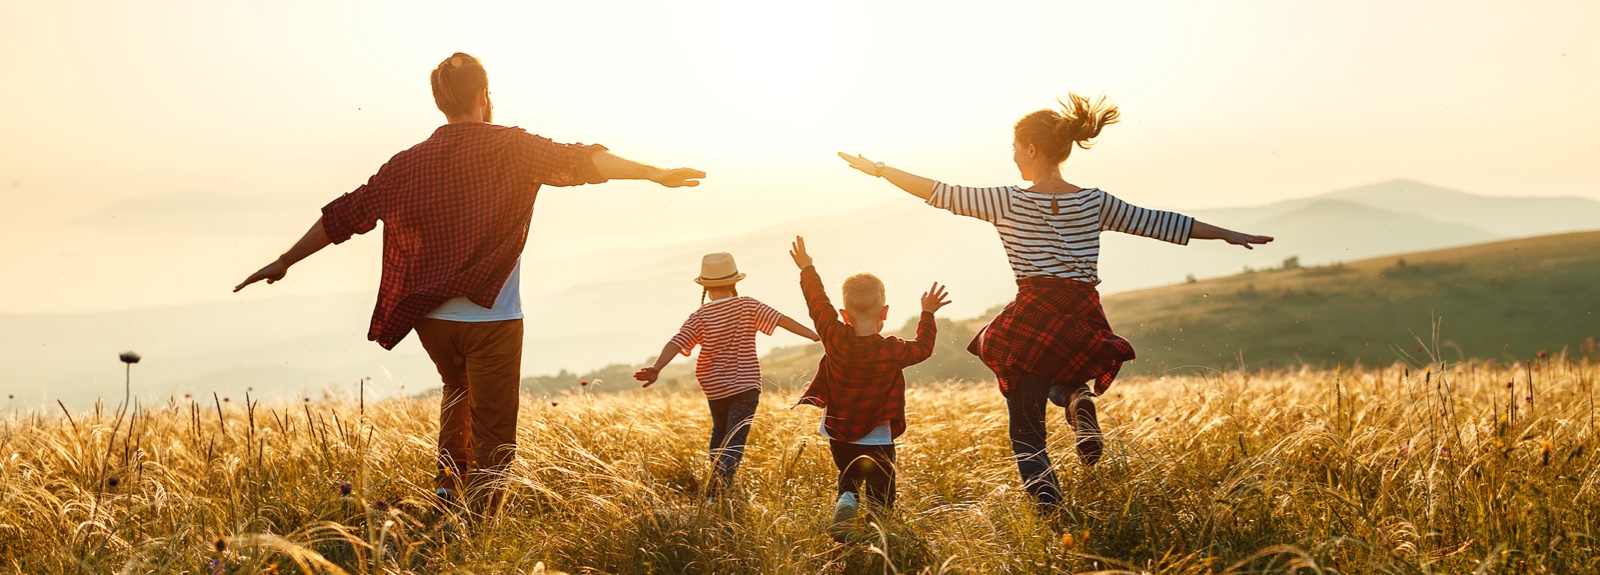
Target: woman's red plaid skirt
[{"x": 1054, "y": 330}]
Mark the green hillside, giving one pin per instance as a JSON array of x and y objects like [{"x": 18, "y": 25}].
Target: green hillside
[{"x": 1508, "y": 299}]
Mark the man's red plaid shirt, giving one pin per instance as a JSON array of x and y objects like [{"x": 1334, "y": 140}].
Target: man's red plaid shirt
[
  {"x": 455, "y": 211},
  {"x": 858, "y": 381}
]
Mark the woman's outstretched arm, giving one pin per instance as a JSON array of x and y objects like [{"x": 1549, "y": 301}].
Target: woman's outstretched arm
[
  {"x": 1205, "y": 231},
  {"x": 913, "y": 184}
]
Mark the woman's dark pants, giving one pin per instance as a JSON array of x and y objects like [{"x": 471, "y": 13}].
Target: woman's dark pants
[{"x": 1026, "y": 406}]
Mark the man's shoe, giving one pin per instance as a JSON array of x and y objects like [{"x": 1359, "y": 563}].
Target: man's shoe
[
  {"x": 1086, "y": 427},
  {"x": 844, "y": 511}
]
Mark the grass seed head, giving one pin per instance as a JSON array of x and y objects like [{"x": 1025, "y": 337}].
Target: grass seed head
[{"x": 129, "y": 357}]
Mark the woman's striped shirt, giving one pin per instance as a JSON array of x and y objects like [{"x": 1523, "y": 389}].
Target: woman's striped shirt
[
  {"x": 725, "y": 330},
  {"x": 1058, "y": 235}
]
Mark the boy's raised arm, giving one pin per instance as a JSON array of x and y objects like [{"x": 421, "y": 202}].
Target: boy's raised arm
[
  {"x": 919, "y": 349},
  {"x": 817, "y": 304}
]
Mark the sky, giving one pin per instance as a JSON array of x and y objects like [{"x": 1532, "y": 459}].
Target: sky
[{"x": 154, "y": 153}]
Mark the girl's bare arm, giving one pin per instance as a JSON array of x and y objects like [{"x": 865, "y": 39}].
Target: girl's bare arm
[
  {"x": 648, "y": 375},
  {"x": 790, "y": 324}
]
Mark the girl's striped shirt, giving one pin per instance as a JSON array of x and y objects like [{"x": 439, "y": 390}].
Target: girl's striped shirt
[
  {"x": 1058, "y": 235},
  {"x": 725, "y": 330}
]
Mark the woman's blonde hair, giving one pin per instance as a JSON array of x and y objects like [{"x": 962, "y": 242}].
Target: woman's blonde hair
[{"x": 1054, "y": 133}]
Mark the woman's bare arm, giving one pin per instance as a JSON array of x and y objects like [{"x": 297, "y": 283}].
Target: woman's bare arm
[
  {"x": 913, "y": 184},
  {"x": 1205, "y": 231}
]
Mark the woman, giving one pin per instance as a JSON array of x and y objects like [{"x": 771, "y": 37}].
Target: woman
[{"x": 1053, "y": 340}]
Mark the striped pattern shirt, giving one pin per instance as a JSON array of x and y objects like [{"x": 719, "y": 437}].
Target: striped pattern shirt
[
  {"x": 725, "y": 329},
  {"x": 1058, "y": 235}
]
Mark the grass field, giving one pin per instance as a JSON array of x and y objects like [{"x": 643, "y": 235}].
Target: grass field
[{"x": 1433, "y": 470}]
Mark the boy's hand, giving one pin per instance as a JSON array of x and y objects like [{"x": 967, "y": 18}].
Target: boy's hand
[
  {"x": 797, "y": 250},
  {"x": 934, "y": 298},
  {"x": 647, "y": 375}
]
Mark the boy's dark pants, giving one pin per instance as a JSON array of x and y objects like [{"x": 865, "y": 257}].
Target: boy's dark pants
[
  {"x": 866, "y": 470},
  {"x": 1026, "y": 407},
  {"x": 731, "y": 418}
]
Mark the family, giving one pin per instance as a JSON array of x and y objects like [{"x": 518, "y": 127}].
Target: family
[{"x": 456, "y": 210}]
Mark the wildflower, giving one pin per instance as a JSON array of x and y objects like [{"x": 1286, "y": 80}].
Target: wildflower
[
  {"x": 1542, "y": 354},
  {"x": 1405, "y": 449},
  {"x": 221, "y": 544},
  {"x": 1510, "y": 384},
  {"x": 583, "y": 382},
  {"x": 1158, "y": 418},
  {"x": 1067, "y": 540},
  {"x": 381, "y": 505},
  {"x": 1419, "y": 349},
  {"x": 187, "y": 396},
  {"x": 113, "y": 482},
  {"x": 553, "y": 404},
  {"x": 227, "y": 400},
  {"x": 344, "y": 489},
  {"x": 216, "y": 566},
  {"x": 129, "y": 357},
  {"x": 1444, "y": 451},
  {"x": 1441, "y": 411},
  {"x": 1528, "y": 398},
  {"x": 307, "y": 399}
]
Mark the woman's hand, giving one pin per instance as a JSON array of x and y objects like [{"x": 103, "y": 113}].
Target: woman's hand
[
  {"x": 1246, "y": 240},
  {"x": 866, "y": 166}
]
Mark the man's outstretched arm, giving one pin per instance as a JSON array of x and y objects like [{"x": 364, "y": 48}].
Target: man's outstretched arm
[
  {"x": 314, "y": 239},
  {"x": 614, "y": 167}
]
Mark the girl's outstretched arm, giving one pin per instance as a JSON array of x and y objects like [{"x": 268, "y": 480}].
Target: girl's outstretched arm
[
  {"x": 913, "y": 184},
  {"x": 1205, "y": 231},
  {"x": 790, "y": 324},
  {"x": 648, "y": 375}
]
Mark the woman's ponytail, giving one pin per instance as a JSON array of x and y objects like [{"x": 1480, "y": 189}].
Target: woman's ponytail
[{"x": 1054, "y": 133}]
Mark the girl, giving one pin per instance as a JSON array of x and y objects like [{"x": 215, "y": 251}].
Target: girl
[
  {"x": 728, "y": 369},
  {"x": 1053, "y": 340}
]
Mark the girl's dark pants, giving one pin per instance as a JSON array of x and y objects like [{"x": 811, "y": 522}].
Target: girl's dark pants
[
  {"x": 1026, "y": 406},
  {"x": 866, "y": 470},
  {"x": 731, "y": 418}
]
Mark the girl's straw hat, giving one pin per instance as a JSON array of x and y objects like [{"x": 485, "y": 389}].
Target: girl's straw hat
[{"x": 718, "y": 269}]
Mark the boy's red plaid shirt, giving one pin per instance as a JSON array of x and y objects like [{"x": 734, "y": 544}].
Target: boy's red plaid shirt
[
  {"x": 859, "y": 381},
  {"x": 455, "y": 211}
]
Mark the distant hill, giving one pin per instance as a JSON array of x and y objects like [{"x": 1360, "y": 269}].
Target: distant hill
[{"x": 618, "y": 306}]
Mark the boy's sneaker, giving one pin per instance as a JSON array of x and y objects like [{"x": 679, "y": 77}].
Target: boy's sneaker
[
  {"x": 1086, "y": 426},
  {"x": 844, "y": 511}
]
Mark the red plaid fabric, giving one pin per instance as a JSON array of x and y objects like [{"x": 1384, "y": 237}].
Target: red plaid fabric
[
  {"x": 455, "y": 211},
  {"x": 859, "y": 381},
  {"x": 1055, "y": 329}
]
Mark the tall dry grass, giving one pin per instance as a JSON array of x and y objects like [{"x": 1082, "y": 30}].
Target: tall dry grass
[{"x": 1444, "y": 470}]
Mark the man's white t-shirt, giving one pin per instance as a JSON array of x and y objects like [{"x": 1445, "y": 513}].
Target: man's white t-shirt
[{"x": 507, "y": 305}]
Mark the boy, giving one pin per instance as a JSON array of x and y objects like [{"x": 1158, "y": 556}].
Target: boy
[{"x": 859, "y": 384}]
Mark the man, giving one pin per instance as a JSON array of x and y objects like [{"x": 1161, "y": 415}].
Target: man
[{"x": 456, "y": 210}]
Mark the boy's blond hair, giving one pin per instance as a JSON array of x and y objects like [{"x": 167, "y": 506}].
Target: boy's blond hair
[{"x": 863, "y": 294}]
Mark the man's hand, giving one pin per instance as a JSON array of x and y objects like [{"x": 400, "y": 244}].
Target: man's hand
[
  {"x": 272, "y": 273},
  {"x": 647, "y": 375},
  {"x": 934, "y": 298},
  {"x": 859, "y": 162},
  {"x": 677, "y": 177},
  {"x": 797, "y": 250},
  {"x": 1246, "y": 240}
]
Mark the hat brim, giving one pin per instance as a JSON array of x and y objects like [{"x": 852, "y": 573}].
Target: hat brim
[{"x": 719, "y": 282}]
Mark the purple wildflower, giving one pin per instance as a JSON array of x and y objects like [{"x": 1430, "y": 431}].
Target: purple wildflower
[{"x": 344, "y": 489}]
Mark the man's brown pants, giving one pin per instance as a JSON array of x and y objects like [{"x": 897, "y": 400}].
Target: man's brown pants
[{"x": 481, "y": 364}]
